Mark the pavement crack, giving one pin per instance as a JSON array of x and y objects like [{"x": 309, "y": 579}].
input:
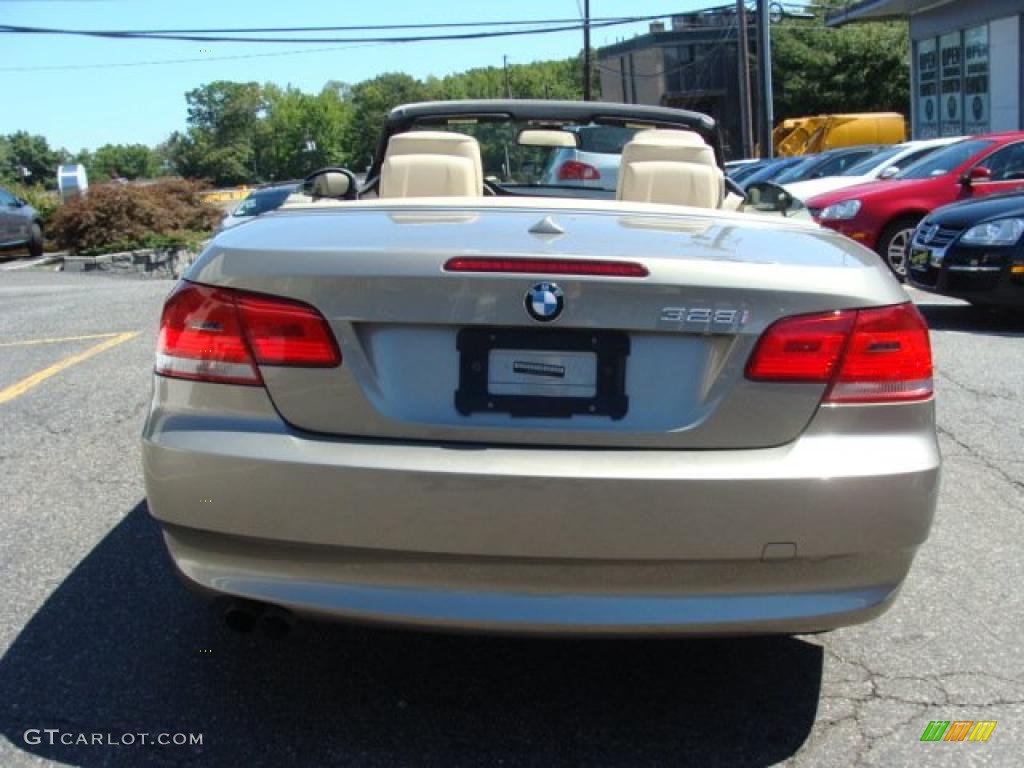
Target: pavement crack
[
  {"x": 974, "y": 453},
  {"x": 979, "y": 393}
]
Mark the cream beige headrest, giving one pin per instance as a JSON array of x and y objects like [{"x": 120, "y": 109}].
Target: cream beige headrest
[
  {"x": 431, "y": 164},
  {"x": 673, "y": 167}
]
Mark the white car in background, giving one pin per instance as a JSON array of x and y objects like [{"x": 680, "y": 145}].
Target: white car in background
[{"x": 881, "y": 165}]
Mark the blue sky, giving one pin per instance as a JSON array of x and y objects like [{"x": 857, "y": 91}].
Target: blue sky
[{"x": 85, "y": 105}]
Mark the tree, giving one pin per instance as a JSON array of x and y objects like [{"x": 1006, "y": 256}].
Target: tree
[
  {"x": 856, "y": 68},
  {"x": 560, "y": 79},
  {"x": 302, "y": 132},
  {"x": 129, "y": 161},
  {"x": 371, "y": 102},
  {"x": 229, "y": 112},
  {"x": 21, "y": 151},
  {"x": 223, "y": 119}
]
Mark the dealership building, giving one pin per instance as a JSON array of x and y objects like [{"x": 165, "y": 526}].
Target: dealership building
[{"x": 967, "y": 61}]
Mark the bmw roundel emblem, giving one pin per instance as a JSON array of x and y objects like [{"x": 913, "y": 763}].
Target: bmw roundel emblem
[{"x": 544, "y": 302}]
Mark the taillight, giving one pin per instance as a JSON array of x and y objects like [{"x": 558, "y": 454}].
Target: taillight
[
  {"x": 574, "y": 170},
  {"x": 889, "y": 357},
  {"x": 545, "y": 266},
  {"x": 864, "y": 355},
  {"x": 221, "y": 335}
]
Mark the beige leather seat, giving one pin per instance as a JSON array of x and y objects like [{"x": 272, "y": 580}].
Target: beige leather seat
[
  {"x": 432, "y": 164},
  {"x": 673, "y": 167}
]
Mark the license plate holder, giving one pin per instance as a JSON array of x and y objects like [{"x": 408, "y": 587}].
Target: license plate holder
[{"x": 475, "y": 345}]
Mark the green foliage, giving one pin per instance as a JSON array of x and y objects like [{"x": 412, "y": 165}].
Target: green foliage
[
  {"x": 44, "y": 201},
  {"x": 24, "y": 150},
  {"x": 128, "y": 161},
  {"x": 371, "y": 102},
  {"x": 301, "y": 132},
  {"x": 856, "y": 68},
  {"x": 540, "y": 80},
  {"x": 224, "y": 119},
  {"x": 121, "y": 217}
]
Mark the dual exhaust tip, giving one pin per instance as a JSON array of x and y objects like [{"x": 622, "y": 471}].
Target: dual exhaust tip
[{"x": 244, "y": 616}]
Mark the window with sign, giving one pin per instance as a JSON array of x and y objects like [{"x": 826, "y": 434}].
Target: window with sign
[
  {"x": 927, "y": 89},
  {"x": 951, "y": 85},
  {"x": 976, "y": 81}
]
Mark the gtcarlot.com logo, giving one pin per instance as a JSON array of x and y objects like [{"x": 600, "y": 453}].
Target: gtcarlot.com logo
[
  {"x": 55, "y": 736},
  {"x": 958, "y": 730}
]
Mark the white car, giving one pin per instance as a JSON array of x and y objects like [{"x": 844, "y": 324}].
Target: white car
[{"x": 881, "y": 165}]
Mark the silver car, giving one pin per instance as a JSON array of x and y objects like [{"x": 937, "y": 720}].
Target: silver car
[
  {"x": 593, "y": 163},
  {"x": 455, "y": 403}
]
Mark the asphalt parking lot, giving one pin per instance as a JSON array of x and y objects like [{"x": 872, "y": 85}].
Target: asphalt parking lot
[{"x": 98, "y": 635}]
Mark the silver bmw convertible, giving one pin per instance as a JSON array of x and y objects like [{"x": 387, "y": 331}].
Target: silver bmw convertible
[{"x": 457, "y": 397}]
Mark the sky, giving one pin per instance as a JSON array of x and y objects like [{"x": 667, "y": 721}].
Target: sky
[{"x": 84, "y": 92}]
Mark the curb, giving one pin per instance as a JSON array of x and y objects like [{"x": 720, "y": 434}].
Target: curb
[
  {"x": 148, "y": 261},
  {"x": 43, "y": 261}
]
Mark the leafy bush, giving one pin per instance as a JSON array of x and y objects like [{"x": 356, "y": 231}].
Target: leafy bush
[
  {"x": 44, "y": 201},
  {"x": 121, "y": 217}
]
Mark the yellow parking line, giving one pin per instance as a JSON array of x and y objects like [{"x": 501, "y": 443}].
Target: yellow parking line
[
  {"x": 23, "y": 386},
  {"x": 30, "y": 342}
]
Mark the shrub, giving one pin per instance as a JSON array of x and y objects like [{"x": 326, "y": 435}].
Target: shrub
[
  {"x": 125, "y": 217},
  {"x": 44, "y": 201}
]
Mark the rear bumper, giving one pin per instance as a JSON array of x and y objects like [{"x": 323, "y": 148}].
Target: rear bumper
[{"x": 812, "y": 535}]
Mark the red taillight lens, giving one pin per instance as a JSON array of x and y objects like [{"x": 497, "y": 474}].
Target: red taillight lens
[
  {"x": 866, "y": 355},
  {"x": 574, "y": 170},
  {"x": 220, "y": 335},
  {"x": 546, "y": 266},
  {"x": 287, "y": 333},
  {"x": 805, "y": 348},
  {"x": 889, "y": 357}
]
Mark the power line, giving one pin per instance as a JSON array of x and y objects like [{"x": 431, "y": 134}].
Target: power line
[
  {"x": 204, "y": 59},
  {"x": 356, "y": 28},
  {"x": 131, "y": 35}
]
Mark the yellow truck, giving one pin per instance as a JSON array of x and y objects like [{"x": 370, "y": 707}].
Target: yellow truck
[{"x": 805, "y": 135}]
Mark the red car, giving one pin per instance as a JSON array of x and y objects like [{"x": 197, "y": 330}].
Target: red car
[{"x": 883, "y": 214}]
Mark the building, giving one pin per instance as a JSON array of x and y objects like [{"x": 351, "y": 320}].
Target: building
[
  {"x": 693, "y": 65},
  {"x": 967, "y": 62}
]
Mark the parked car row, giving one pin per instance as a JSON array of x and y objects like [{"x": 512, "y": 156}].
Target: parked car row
[
  {"x": 884, "y": 214},
  {"x": 947, "y": 214}
]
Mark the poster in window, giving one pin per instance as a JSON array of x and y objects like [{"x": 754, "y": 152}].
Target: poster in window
[
  {"x": 951, "y": 85},
  {"x": 976, "y": 86},
  {"x": 927, "y": 90}
]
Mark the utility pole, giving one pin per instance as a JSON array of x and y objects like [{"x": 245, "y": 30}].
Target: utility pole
[
  {"x": 587, "y": 96},
  {"x": 743, "y": 63},
  {"x": 764, "y": 52},
  {"x": 508, "y": 85}
]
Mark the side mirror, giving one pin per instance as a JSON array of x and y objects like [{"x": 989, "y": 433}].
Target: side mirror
[
  {"x": 977, "y": 173},
  {"x": 331, "y": 184},
  {"x": 889, "y": 172},
  {"x": 767, "y": 197},
  {"x": 735, "y": 187}
]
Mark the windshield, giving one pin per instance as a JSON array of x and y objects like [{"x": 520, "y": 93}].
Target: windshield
[
  {"x": 593, "y": 164},
  {"x": 944, "y": 160},
  {"x": 261, "y": 202},
  {"x": 770, "y": 170},
  {"x": 797, "y": 171},
  {"x": 868, "y": 164}
]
